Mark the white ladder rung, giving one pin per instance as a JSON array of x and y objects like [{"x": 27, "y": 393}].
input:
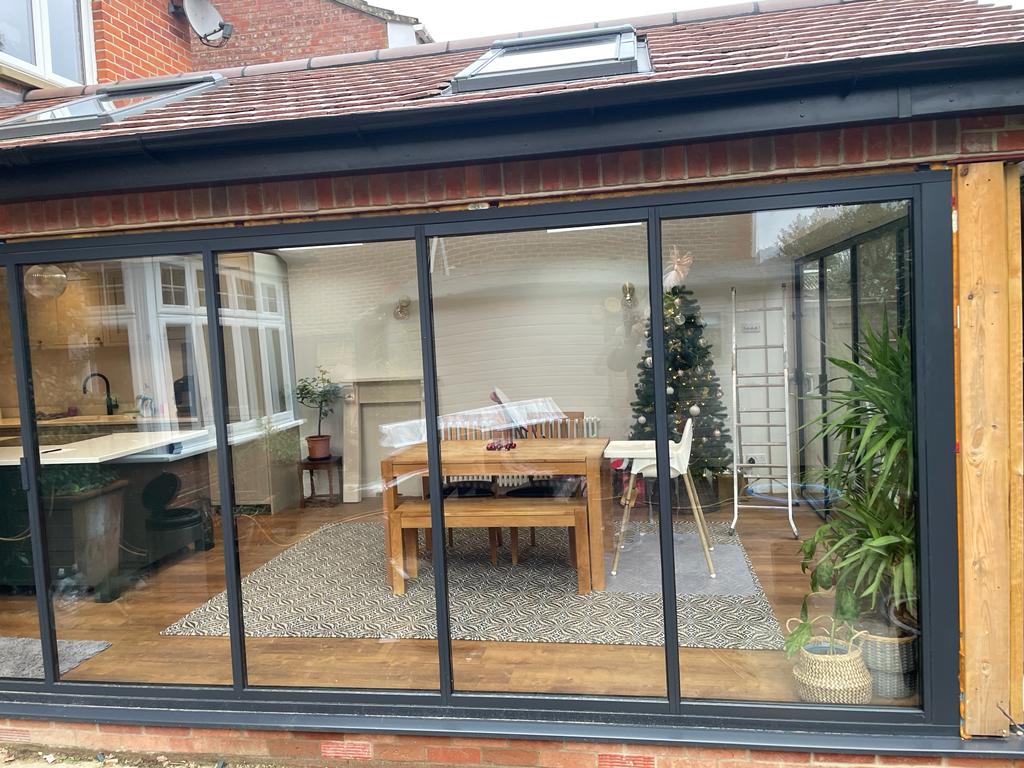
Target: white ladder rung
[
  {"x": 765, "y": 410},
  {"x": 763, "y": 426},
  {"x": 759, "y": 347},
  {"x": 759, "y": 375},
  {"x": 769, "y": 384},
  {"x": 758, "y": 309}
]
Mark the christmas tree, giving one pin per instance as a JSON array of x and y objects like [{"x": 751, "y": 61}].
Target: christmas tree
[{"x": 693, "y": 389}]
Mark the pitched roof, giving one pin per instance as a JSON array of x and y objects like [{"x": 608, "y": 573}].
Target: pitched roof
[
  {"x": 380, "y": 13},
  {"x": 772, "y": 35}
]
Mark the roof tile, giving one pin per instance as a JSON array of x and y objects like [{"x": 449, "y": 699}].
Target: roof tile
[{"x": 717, "y": 42}]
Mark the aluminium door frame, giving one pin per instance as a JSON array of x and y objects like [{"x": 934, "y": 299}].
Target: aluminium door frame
[{"x": 928, "y": 193}]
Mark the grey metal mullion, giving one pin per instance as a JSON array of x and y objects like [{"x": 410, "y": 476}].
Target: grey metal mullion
[
  {"x": 225, "y": 472},
  {"x": 668, "y": 561},
  {"x": 430, "y": 409},
  {"x": 31, "y": 471},
  {"x": 855, "y": 301}
]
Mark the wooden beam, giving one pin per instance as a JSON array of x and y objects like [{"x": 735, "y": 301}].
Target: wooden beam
[{"x": 989, "y": 429}]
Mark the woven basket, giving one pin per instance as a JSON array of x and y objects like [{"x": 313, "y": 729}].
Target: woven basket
[
  {"x": 894, "y": 685},
  {"x": 832, "y": 678},
  {"x": 886, "y": 652}
]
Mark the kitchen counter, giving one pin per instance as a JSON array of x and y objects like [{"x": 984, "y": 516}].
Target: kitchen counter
[
  {"x": 96, "y": 420},
  {"x": 96, "y": 450}
]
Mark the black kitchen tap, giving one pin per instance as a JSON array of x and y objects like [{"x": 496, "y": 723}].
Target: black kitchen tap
[{"x": 106, "y": 381}]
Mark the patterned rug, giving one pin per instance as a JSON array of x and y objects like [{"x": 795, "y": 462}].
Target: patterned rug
[
  {"x": 22, "y": 657},
  {"x": 331, "y": 584}
]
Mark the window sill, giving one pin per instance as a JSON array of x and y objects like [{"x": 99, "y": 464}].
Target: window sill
[{"x": 31, "y": 79}]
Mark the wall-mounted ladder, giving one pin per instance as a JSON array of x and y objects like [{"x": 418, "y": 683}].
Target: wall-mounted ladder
[{"x": 771, "y": 475}]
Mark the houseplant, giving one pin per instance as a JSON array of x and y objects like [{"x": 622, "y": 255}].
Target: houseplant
[
  {"x": 320, "y": 393},
  {"x": 865, "y": 553}
]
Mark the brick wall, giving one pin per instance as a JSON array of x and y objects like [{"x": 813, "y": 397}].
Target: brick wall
[
  {"x": 138, "y": 38},
  {"x": 782, "y": 156},
  {"x": 424, "y": 751},
  {"x": 267, "y": 31}
]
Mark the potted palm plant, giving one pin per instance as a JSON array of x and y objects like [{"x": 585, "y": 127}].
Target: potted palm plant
[
  {"x": 865, "y": 553},
  {"x": 320, "y": 393}
]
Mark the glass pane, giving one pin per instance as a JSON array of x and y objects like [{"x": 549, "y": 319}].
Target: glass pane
[
  {"x": 335, "y": 325},
  {"x": 66, "y": 48},
  {"x": 17, "y": 36},
  {"x": 538, "y": 337},
  {"x": 762, "y": 314},
  {"x": 21, "y": 655},
  {"x": 513, "y": 59},
  {"x": 130, "y": 509}
]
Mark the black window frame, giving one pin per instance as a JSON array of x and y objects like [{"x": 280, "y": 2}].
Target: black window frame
[
  {"x": 672, "y": 719},
  {"x": 631, "y": 57}
]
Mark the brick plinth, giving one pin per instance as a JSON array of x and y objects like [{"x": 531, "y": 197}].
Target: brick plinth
[
  {"x": 428, "y": 751},
  {"x": 871, "y": 148}
]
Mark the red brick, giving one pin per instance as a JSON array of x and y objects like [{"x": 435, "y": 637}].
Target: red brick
[
  {"x": 946, "y": 136},
  {"x": 361, "y": 191},
  {"x": 908, "y": 760},
  {"x": 512, "y": 175},
  {"x": 922, "y": 138},
  {"x": 399, "y": 753},
  {"x": 491, "y": 177},
  {"x": 549, "y": 759},
  {"x": 632, "y": 166},
  {"x": 474, "y": 182},
  {"x": 761, "y": 153},
  {"x": 254, "y": 198},
  {"x": 769, "y": 756},
  {"x": 739, "y": 155},
  {"x": 877, "y": 143},
  {"x": 218, "y": 203},
  {"x": 416, "y": 186},
  {"x": 379, "y": 190},
  {"x": 182, "y": 207},
  {"x": 1009, "y": 140},
  {"x": 549, "y": 175},
  {"x": 853, "y": 145},
  {"x": 590, "y": 171},
  {"x": 608, "y": 760},
  {"x": 307, "y": 195},
  {"x": 611, "y": 169},
  {"x": 346, "y": 750},
  {"x": 829, "y": 147},
  {"x": 807, "y": 150},
  {"x": 718, "y": 158},
  {"x": 829, "y": 757},
  {"x": 899, "y": 140},
  {"x": 293, "y": 748},
  {"x": 454, "y": 755},
  {"x": 118, "y": 728},
  {"x": 531, "y": 178},
  {"x": 520, "y": 758},
  {"x": 654, "y": 164},
  {"x": 324, "y": 194},
  {"x": 15, "y": 734},
  {"x": 236, "y": 200},
  {"x": 982, "y": 122},
  {"x": 675, "y": 162},
  {"x": 785, "y": 151},
  {"x": 569, "y": 172},
  {"x": 270, "y": 194},
  {"x": 342, "y": 187},
  {"x": 976, "y": 142}
]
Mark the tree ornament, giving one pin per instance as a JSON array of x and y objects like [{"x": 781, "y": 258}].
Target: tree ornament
[
  {"x": 703, "y": 440},
  {"x": 702, "y": 342},
  {"x": 669, "y": 391},
  {"x": 695, "y": 410},
  {"x": 717, "y": 433},
  {"x": 675, "y": 275},
  {"x": 649, "y": 362},
  {"x": 641, "y": 419}
]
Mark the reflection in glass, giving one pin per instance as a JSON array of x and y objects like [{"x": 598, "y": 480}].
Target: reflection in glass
[
  {"x": 305, "y": 328},
  {"x": 17, "y": 36},
  {"x": 539, "y": 336},
  {"x": 787, "y": 335},
  {"x": 64, "y": 21},
  {"x": 21, "y": 655},
  {"x": 127, "y": 451}
]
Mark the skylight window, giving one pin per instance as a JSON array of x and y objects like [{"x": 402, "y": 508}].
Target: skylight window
[
  {"x": 555, "y": 58},
  {"x": 110, "y": 103}
]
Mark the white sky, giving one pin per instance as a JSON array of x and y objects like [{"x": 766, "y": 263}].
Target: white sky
[{"x": 457, "y": 19}]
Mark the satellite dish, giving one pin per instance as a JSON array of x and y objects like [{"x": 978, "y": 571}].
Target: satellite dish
[{"x": 205, "y": 21}]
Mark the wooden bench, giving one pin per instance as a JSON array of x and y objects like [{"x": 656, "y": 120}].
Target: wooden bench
[{"x": 408, "y": 517}]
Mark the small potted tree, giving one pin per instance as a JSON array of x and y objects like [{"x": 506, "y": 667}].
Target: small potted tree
[{"x": 320, "y": 393}]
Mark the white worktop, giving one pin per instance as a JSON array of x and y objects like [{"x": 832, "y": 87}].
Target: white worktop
[{"x": 96, "y": 450}]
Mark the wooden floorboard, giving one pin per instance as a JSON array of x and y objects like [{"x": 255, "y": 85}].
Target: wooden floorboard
[{"x": 139, "y": 653}]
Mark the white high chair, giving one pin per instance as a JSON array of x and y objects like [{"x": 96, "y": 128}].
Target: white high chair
[{"x": 646, "y": 466}]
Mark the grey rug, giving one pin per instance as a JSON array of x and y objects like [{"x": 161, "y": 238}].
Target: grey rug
[
  {"x": 22, "y": 657},
  {"x": 331, "y": 584}
]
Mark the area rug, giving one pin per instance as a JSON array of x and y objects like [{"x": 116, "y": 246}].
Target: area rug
[
  {"x": 331, "y": 584},
  {"x": 22, "y": 657}
]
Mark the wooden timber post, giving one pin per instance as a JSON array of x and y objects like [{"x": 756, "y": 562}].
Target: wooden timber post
[{"x": 990, "y": 433}]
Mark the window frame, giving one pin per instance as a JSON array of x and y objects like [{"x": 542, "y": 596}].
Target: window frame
[
  {"x": 43, "y": 68},
  {"x": 672, "y": 719},
  {"x": 631, "y": 58}
]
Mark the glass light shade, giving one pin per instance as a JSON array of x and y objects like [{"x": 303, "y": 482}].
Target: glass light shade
[{"x": 46, "y": 281}]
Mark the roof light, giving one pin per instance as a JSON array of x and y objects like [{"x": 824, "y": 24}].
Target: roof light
[
  {"x": 555, "y": 58},
  {"x": 110, "y": 103}
]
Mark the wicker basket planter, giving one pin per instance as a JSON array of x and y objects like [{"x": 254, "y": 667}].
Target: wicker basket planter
[
  {"x": 835, "y": 675},
  {"x": 891, "y": 656}
]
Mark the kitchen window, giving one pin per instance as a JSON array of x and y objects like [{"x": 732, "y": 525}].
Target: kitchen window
[{"x": 50, "y": 39}]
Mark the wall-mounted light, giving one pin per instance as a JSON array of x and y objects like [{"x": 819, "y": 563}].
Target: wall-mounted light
[
  {"x": 628, "y": 294},
  {"x": 402, "y": 308},
  {"x": 46, "y": 281}
]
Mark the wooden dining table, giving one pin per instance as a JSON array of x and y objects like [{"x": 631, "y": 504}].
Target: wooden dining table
[{"x": 582, "y": 457}]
